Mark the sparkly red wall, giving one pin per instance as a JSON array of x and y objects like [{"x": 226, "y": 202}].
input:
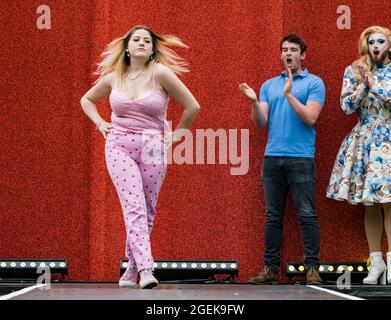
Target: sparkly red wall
[{"x": 56, "y": 197}]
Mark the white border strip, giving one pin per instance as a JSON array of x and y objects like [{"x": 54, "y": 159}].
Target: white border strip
[
  {"x": 22, "y": 291},
  {"x": 339, "y": 294}
]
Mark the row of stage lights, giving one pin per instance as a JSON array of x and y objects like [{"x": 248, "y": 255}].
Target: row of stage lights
[
  {"x": 31, "y": 268},
  {"x": 183, "y": 267},
  {"x": 159, "y": 264},
  {"x": 191, "y": 265},
  {"x": 168, "y": 269},
  {"x": 291, "y": 267},
  {"x": 191, "y": 270},
  {"x": 297, "y": 268},
  {"x": 23, "y": 264}
]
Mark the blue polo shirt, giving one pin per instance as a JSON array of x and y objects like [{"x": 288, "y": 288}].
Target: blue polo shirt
[{"x": 288, "y": 135}]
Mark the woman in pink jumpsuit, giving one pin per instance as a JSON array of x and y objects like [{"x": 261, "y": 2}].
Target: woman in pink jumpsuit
[{"x": 138, "y": 73}]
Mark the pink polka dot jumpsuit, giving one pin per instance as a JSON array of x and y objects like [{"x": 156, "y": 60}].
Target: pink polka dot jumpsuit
[{"x": 135, "y": 158}]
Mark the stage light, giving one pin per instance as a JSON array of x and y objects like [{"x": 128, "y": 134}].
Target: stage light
[
  {"x": 330, "y": 271},
  {"x": 187, "y": 270},
  {"x": 29, "y": 269}
]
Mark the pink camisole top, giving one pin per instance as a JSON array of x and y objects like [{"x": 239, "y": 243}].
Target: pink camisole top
[{"x": 144, "y": 115}]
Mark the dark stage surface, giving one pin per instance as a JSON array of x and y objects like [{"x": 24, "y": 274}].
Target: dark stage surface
[{"x": 111, "y": 291}]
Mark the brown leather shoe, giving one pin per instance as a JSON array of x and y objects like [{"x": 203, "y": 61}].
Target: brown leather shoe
[
  {"x": 313, "y": 277},
  {"x": 266, "y": 276}
]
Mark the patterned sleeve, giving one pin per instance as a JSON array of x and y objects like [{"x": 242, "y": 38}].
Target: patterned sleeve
[
  {"x": 353, "y": 93},
  {"x": 382, "y": 88}
]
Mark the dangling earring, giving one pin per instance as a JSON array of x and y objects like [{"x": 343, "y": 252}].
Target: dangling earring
[{"x": 127, "y": 53}]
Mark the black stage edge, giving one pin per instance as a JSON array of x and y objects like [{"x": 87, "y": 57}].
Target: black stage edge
[{"x": 196, "y": 309}]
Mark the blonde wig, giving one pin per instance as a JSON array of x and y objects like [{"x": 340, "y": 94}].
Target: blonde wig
[{"x": 365, "y": 59}]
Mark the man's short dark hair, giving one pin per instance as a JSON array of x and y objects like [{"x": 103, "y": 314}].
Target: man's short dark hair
[{"x": 295, "y": 39}]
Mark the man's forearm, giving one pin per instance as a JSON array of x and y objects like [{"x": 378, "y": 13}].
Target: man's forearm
[
  {"x": 304, "y": 113},
  {"x": 257, "y": 115}
]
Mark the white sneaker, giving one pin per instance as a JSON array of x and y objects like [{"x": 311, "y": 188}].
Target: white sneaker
[
  {"x": 129, "y": 277},
  {"x": 377, "y": 269},
  {"x": 126, "y": 283},
  {"x": 147, "y": 280}
]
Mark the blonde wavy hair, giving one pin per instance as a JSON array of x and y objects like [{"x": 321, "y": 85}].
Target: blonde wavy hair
[
  {"x": 365, "y": 59},
  {"x": 115, "y": 58}
]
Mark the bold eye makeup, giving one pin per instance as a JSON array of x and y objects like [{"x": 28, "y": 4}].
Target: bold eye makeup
[{"x": 380, "y": 41}]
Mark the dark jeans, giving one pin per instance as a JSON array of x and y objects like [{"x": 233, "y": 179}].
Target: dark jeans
[{"x": 279, "y": 175}]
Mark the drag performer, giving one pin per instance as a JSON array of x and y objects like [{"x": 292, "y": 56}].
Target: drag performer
[
  {"x": 289, "y": 105},
  {"x": 362, "y": 169},
  {"x": 138, "y": 73}
]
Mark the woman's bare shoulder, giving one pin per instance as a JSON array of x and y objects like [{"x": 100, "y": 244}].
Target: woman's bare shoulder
[
  {"x": 109, "y": 79},
  {"x": 160, "y": 70}
]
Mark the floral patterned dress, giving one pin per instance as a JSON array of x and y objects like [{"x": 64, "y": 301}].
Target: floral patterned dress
[{"x": 362, "y": 169}]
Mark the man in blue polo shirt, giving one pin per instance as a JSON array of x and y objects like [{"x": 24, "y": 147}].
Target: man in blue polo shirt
[{"x": 289, "y": 106}]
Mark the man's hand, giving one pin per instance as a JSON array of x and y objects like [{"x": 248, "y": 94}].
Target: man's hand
[
  {"x": 288, "y": 82},
  {"x": 248, "y": 92}
]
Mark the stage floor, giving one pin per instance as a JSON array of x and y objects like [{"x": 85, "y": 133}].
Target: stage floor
[{"x": 111, "y": 291}]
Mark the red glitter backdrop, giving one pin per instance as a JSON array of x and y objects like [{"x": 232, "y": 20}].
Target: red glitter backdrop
[{"x": 56, "y": 196}]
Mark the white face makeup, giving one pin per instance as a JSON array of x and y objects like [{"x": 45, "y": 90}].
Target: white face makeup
[
  {"x": 140, "y": 44},
  {"x": 378, "y": 47},
  {"x": 290, "y": 56}
]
